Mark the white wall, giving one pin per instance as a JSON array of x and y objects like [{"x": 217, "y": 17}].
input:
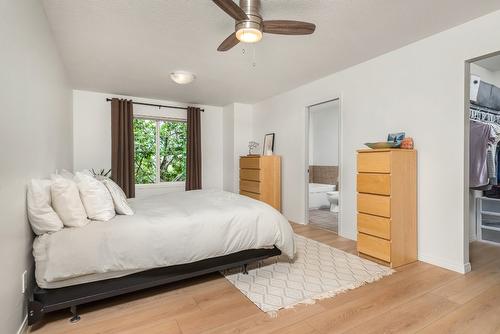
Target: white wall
[
  {"x": 243, "y": 122},
  {"x": 228, "y": 147},
  {"x": 491, "y": 77},
  {"x": 419, "y": 89},
  {"x": 35, "y": 137},
  {"x": 237, "y": 128},
  {"x": 92, "y": 136},
  {"x": 324, "y": 134}
]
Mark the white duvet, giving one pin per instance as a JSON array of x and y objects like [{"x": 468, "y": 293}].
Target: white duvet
[{"x": 165, "y": 230}]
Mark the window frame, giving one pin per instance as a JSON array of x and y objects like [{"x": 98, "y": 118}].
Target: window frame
[{"x": 158, "y": 182}]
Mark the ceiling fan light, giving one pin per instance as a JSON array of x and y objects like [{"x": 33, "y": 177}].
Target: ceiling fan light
[
  {"x": 182, "y": 77},
  {"x": 249, "y": 35}
]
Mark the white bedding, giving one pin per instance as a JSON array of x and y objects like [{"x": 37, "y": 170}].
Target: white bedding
[{"x": 165, "y": 230}]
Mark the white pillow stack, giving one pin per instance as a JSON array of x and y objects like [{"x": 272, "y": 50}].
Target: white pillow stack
[
  {"x": 71, "y": 200},
  {"x": 67, "y": 203},
  {"x": 119, "y": 197},
  {"x": 42, "y": 217},
  {"x": 96, "y": 198}
]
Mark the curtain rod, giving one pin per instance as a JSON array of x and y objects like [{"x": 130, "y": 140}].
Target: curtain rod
[{"x": 157, "y": 105}]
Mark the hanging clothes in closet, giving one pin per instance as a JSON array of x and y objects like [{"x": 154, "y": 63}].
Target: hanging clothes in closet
[{"x": 484, "y": 157}]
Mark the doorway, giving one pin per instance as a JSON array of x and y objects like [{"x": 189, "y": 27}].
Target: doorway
[
  {"x": 323, "y": 165},
  {"x": 482, "y": 134}
]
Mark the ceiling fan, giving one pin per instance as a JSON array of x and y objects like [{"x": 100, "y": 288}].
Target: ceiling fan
[{"x": 250, "y": 25}]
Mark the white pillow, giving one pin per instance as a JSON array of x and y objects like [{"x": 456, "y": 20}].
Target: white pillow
[
  {"x": 67, "y": 203},
  {"x": 65, "y": 173},
  {"x": 42, "y": 217},
  {"x": 95, "y": 197},
  {"x": 119, "y": 197}
]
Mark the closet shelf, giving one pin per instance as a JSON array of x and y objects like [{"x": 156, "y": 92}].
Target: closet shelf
[
  {"x": 488, "y": 219},
  {"x": 491, "y": 228},
  {"x": 490, "y": 213},
  {"x": 490, "y": 199}
]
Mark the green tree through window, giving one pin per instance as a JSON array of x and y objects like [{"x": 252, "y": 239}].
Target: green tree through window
[{"x": 160, "y": 150}]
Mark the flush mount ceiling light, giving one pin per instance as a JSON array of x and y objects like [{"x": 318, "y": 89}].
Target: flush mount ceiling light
[
  {"x": 182, "y": 77},
  {"x": 249, "y": 25}
]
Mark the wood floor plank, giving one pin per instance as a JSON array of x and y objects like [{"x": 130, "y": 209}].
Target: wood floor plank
[
  {"x": 297, "y": 328},
  {"x": 466, "y": 287},
  {"x": 482, "y": 253},
  {"x": 480, "y": 315},
  {"x": 262, "y": 323},
  {"x": 153, "y": 327},
  {"x": 233, "y": 307},
  {"x": 379, "y": 297},
  {"x": 408, "y": 317},
  {"x": 120, "y": 319}
]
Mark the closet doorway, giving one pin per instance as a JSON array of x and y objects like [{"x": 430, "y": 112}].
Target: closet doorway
[
  {"x": 323, "y": 165},
  {"x": 483, "y": 133}
]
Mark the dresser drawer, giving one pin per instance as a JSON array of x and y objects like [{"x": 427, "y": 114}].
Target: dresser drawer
[
  {"x": 374, "y": 204},
  {"x": 375, "y": 247},
  {"x": 250, "y": 174},
  {"x": 374, "y": 183},
  {"x": 374, "y": 162},
  {"x": 374, "y": 225},
  {"x": 250, "y": 163},
  {"x": 251, "y": 195},
  {"x": 250, "y": 186}
]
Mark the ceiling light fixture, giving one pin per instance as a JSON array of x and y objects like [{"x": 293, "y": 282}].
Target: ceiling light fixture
[
  {"x": 249, "y": 35},
  {"x": 182, "y": 77}
]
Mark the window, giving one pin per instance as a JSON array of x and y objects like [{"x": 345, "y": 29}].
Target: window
[{"x": 160, "y": 150}]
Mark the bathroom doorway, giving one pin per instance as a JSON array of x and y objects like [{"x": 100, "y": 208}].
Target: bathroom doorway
[{"x": 323, "y": 136}]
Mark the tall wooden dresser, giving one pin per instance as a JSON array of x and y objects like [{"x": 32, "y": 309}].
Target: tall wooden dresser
[
  {"x": 387, "y": 205},
  {"x": 260, "y": 178}
]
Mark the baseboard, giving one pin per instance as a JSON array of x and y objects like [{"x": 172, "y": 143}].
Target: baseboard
[
  {"x": 24, "y": 326},
  {"x": 461, "y": 268}
]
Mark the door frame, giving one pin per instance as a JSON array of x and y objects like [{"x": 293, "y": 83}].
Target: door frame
[
  {"x": 307, "y": 112},
  {"x": 466, "y": 197}
]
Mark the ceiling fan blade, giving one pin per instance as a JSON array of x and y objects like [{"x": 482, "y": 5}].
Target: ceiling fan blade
[
  {"x": 228, "y": 43},
  {"x": 231, "y": 9},
  {"x": 288, "y": 27}
]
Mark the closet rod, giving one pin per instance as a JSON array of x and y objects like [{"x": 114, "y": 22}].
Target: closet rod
[
  {"x": 157, "y": 105},
  {"x": 486, "y": 111}
]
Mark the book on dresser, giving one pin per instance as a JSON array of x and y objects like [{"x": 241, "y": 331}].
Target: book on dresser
[
  {"x": 260, "y": 179},
  {"x": 387, "y": 205}
]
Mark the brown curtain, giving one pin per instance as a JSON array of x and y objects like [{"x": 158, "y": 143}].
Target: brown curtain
[
  {"x": 193, "y": 159},
  {"x": 122, "y": 145}
]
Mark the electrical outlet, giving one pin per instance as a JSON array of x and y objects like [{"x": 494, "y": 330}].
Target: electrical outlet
[{"x": 24, "y": 279}]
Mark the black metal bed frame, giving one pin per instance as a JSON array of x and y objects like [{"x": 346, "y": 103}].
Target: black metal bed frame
[{"x": 49, "y": 300}]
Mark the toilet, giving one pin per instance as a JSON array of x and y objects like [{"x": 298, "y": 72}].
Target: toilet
[{"x": 333, "y": 198}]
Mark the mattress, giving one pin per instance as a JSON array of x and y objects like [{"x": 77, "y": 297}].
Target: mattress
[{"x": 168, "y": 229}]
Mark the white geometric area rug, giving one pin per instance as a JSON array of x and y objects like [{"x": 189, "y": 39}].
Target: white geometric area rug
[{"x": 318, "y": 271}]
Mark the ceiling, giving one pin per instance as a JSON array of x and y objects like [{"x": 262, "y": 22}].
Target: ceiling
[
  {"x": 491, "y": 63},
  {"x": 130, "y": 46}
]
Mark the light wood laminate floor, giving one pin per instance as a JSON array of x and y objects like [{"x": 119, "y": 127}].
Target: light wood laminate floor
[
  {"x": 418, "y": 298},
  {"x": 324, "y": 218}
]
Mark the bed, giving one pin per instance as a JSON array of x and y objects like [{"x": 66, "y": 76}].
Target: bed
[{"x": 170, "y": 237}]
